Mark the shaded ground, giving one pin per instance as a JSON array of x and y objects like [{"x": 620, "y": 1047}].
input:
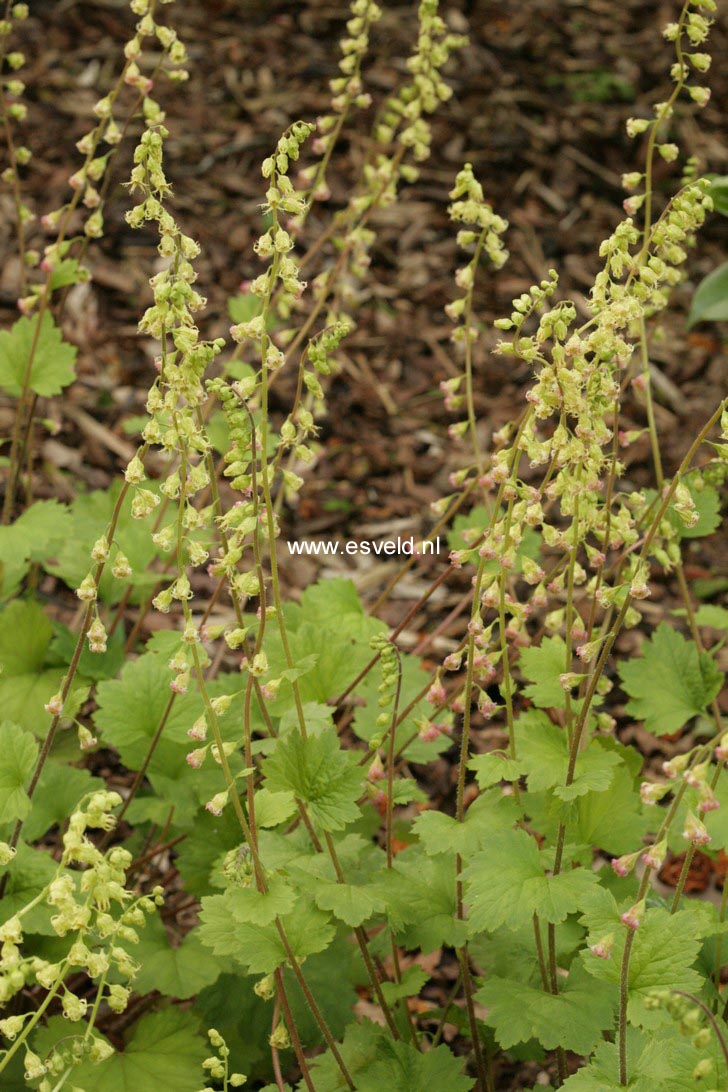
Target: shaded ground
[{"x": 541, "y": 95}]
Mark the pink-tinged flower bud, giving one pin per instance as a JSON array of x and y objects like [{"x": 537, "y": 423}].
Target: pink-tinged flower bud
[
  {"x": 27, "y": 304},
  {"x": 652, "y": 792},
  {"x": 587, "y": 652},
  {"x": 624, "y": 865},
  {"x": 631, "y": 205},
  {"x": 428, "y": 733},
  {"x": 217, "y": 803},
  {"x": 483, "y": 667},
  {"x": 85, "y": 739},
  {"x": 632, "y": 918},
  {"x": 196, "y": 758},
  {"x": 486, "y": 705},
  {"x": 198, "y": 730},
  {"x": 54, "y": 705},
  {"x": 376, "y": 770},
  {"x": 696, "y": 776},
  {"x": 721, "y": 751},
  {"x": 694, "y": 831},
  {"x": 603, "y": 948},
  {"x": 639, "y": 589},
  {"x": 436, "y": 695},
  {"x": 708, "y": 800},
  {"x": 180, "y": 682},
  {"x": 675, "y": 766},
  {"x": 654, "y": 857}
]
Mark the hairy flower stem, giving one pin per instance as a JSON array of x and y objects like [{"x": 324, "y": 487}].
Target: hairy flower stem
[
  {"x": 540, "y": 953},
  {"x": 292, "y": 1030},
  {"x": 684, "y": 872},
  {"x": 361, "y": 937},
  {"x": 719, "y": 938},
  {"x": 623, "y": 999},
  {"x": 391, "y": 736},
  {"x": 469, "y": 395},
  {"x": 662, "y": 116},
  {"x": 472, "y": 1022}
]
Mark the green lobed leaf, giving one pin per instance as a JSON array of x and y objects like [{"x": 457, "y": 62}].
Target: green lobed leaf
[
  {"x": 316, "y": 770},
  {"x": 712, "y": 616},
  {"x": 272, "y": 808},
  {"x": 506, "y": 885},
  {"x": 252, "y": 907},
  {"x": 376, "y": 1062},
  {"x": 490, "y": 814},
  {"x": 34, "y": 536},
  {"x": 574, "y": 1019},
  {"x": 130, "y": 710},
  {"x": 18, "y": 752},
  {"x": 164, "y": 1051},
  {"x": 27, "y": 875},
  {"x": 91, "y": 513},
  {"x": 349, "y": 903},
  {"x": 493, "y": 767},
  {"x": 91, "y": 665},
  {"x": 664, "y": 950},
  {"x": 59, "y": 790},
  {"x": 330, "y": 632},
  {"x": 420, "y": 901},
  {"x": 543, "y": 752},
  {"x": 614, "y": 821},
  {"x": 26, "y": 680},
  {"x": 53, "y": 360},
  {"x": 259, "y": 948},
  {"x": 542, "y": 665},
  {"x": 671, "y": 683},
  {"x": 179, "y": 972}
]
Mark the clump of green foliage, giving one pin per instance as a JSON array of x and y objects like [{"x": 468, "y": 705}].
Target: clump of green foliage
[{"x": 274, "y": 746}]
